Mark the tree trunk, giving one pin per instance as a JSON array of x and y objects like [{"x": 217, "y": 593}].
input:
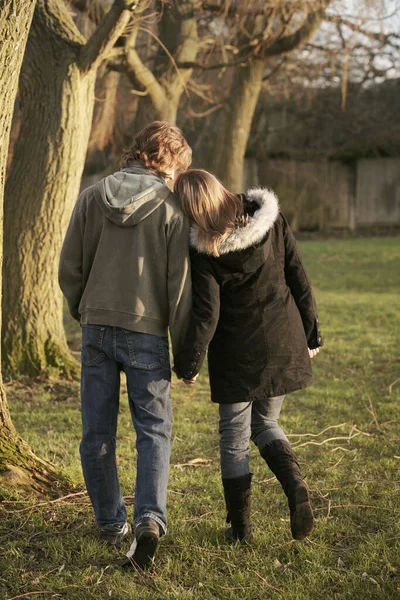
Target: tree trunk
[
  {"x": 166, "y": 111},
  {"x": 19, "y": 466},
  {"x": 231, "y": 143},
  {"x": 103, "y": 126},
  {"x": 178, "y": 34},
  {"x": 17, "y": 462},
  {"x": 56, "y": 111},
  {"x": 57, "y": 98}
]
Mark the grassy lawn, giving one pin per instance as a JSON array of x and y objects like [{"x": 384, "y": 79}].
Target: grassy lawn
[{"x": 346, "y": 432}]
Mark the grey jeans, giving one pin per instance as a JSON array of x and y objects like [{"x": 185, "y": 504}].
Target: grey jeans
[
  {"x": 238, "y": 423},
  {"x": 106, "y": 351}
]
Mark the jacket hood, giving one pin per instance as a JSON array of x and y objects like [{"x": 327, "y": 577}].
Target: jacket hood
[
  {"x": 130, "y": 195},
  {"x": 253, "y": 232}
]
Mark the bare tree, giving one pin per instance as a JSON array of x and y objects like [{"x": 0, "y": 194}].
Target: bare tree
[
  {"x": 280, "y": 47},
  {"x": 258, "y": 33},
  {"x": 56, "y": 97}
]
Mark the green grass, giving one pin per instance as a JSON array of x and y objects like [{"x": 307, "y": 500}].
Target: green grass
[{"x": 51, "y": 550}]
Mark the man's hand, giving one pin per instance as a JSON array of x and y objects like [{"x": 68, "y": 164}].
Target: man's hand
[
  {"x": 190, "y": 381},
  {"x": 313, "y": 352}
]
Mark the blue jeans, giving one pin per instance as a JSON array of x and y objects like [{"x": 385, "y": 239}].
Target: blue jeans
[
  {"x": 238, "y": 423},
  {"x": 106, "y": 351}
]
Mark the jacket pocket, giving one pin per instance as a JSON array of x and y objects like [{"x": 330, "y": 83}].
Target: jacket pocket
[
  {"x": 147, "y": 351},
  {"x": 92, "y": 344}
]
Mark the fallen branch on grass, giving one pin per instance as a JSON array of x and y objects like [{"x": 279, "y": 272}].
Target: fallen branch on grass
[
  {"x": 19, "y": 510},
  {"x": 269, "y": 585},
  {"x": 354, "y": 432},
  {"x": 195, "y": 462},
  {"x": 358, "y": 506},
  {"x": 317, "y": 434},
  {"x": 27, "y": 594}
]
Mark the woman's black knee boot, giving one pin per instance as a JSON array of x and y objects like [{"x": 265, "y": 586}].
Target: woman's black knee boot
[
  {"x": 237, "y": 492},
  {"x": 283, "y": 463}
]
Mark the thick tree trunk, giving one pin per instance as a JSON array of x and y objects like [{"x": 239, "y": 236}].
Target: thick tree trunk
[
  {"x": 56, "y": 111},
  {"x": 18, "y": 465},
  {"x": 57, "y": 98},
  {"x": 231, "y": 143}
]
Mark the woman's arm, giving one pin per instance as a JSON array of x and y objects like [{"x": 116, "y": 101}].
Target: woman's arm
[
  {"x": 300, "y": 286},
  {"x": 203, "y": 319}
]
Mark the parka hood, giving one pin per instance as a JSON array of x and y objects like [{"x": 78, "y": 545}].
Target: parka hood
[
  {"x": 130, "y": 195},
  {"x": 244, "y": 238}
]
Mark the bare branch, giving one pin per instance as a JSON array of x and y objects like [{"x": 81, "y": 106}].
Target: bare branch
[
  {"x": 137, "y": 72},
  {"x": 281, "y": 46},
  {"x": 383, "y": 38},
  {"x": 106, "y": 34},
  {"x": 299, "y": 37},
  {"x": 204, "y": 113},
  {"x": 219, "y": 65},
  {"x": 274, "y": 70}
]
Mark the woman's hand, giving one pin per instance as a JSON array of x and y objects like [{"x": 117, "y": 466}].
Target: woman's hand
[
  {"x": 313, "y": 352},
  {"x": 191, "y": 381}
]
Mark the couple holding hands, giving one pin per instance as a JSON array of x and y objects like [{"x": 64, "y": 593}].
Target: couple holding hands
[{"x": 222, "y": 273}]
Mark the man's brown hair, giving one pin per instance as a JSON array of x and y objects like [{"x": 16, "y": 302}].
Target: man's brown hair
[{"x": 159, "y": 146}]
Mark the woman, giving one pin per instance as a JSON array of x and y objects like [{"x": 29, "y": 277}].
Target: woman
[{"x": 253, "y": 308}]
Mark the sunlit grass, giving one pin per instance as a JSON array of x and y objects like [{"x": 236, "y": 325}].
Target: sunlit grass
[{"x": 352, "y": 468}]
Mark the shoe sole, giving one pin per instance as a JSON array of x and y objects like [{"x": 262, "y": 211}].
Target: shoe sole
[
  {"x": 144, "y": 553},
  {"x": 302, "y": 522}
]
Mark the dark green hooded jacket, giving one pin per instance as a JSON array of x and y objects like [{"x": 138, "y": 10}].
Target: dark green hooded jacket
[{"x": 125, "y": 257}]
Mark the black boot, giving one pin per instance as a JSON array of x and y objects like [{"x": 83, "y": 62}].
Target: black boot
[
  {"x": 237, "y": 492},
  {"x": 283, "y": 463}
]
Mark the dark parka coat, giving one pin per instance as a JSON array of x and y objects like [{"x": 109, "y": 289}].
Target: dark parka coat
[{"x": 253, "y": 308}]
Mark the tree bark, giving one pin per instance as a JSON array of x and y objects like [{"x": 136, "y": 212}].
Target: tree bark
[
  {"x": 103, "y": 125},
  {"x": 43, "y": 184},
  {"x": 20, "y": 468},
  {"x": 18, "y": 465},
  {"x": 57, "y": 98},
  {"x": 231, "y": 142}
]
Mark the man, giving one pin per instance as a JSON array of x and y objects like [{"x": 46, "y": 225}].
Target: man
[{"x": 124, "y": 270}]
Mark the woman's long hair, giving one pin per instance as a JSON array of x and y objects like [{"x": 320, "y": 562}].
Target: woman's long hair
[{"x": 214, "y": 209}]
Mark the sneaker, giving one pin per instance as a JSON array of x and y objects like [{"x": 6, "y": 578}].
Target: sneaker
[
  {"x": 114, "y": 534},
  {"x": 144, "y": 546}
]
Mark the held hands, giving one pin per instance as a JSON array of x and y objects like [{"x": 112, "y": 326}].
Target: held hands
[
  {"x": 313, "y": 352},
  {"x": 187, "y": 381},
  {"x": 190, "y": 381}
]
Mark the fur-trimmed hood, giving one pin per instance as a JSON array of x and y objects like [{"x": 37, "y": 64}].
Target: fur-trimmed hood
[{"x": 253, "y": 232}]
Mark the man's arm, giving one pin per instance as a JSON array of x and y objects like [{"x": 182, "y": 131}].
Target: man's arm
[
  {"x": 203, "y": 319},
  {"x": 70, "y": 276},
  {"x": 300, "y": 286},
  {"x": 178, "y": 281}
]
